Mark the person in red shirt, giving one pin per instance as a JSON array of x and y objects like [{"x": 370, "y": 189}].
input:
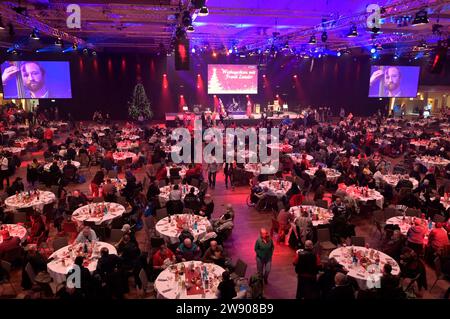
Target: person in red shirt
[
  {"x": 162, "y": 258},
  {"x": 48, "y": 136},
  {"x": 305, "y": 164},
  {"x": 161, "y": 174},
  {"x": 8, "y": 245},
  {"x": 437, "y": 240},
  {"x": 92, "y": 149}
]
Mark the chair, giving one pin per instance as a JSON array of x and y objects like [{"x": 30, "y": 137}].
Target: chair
[
  {"x": 390, "y": 212},
  {"x": 116, "y": 236},
  {"x": 7, "y": 278},
  {"x": 161, "y": 213},
  {"x": 309, "y": 202},
  {"x": 188, "y": 211},
  {"x": 55, "y": 190},
  {"x": 412, "y": 212},
  {"x": 71, "y": 229},
  {"x": 239, "y": 270},
  {"x": 156, "y": 242},
  {"x": 323, "y": 237},
  {"x": 98, "y": 199},
  {"x": 195, "y": 182},
  {"x": 144, "y": 281},
  {"x": 438, "y": 218},
  {"x": 322, "y": 203},
  {"x": 289, "y": 178},
  {"x": 59, "y": 243},
  {"x": 19, "y": 217},
  {"x": 162, "y": 183},
  {"x": 358, "y": 241},
  {"x": 112, "y": 174},
  {"x": 49, "y": 212},
  {"x": 438, "y": 271}
]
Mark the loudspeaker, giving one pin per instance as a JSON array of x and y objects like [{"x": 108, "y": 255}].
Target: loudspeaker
[
  {"x": 439, "y": 57},
  {"x": 182, "y": 54}
]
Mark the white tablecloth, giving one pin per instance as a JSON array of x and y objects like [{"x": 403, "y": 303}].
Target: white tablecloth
[
  {"x": 24, "y": 141},
  {"x": 323, "y": 215},
  {"x": 10, "y": 134},
  {"x": 430, "y": 161},
  {"x": 171, "y": 230},
  {"x": 121, "y": 156},
  {"x": 394, "y": 179},
  {"x": 14, "y": 230},
  {"x": 297, "y": 157},
  {"x": 367, "y": 276},
  {"x": 357, "y": 194},
  {"x": 279, "y": 188},
  {"x": 406, "y": 224},
  {"x": 168, "y": 288},
  {"x": 255, "y": 168},
  {"x": 82, "y": 214},
  {"x": 126, "y": 145},
  {"x": 22, "y": 201},
  {"x": 61, "y": 165},
  {"x": 14, "y": 150},
  {"x": 332, "y": 174},
  {"x": 58, "y": 269}
]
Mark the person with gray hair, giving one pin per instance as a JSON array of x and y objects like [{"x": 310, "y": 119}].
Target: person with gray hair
[
  {"x": 306, "y": 267},
  {"x": 342, "y": 289},
  {"x": 264, "y": 248}
]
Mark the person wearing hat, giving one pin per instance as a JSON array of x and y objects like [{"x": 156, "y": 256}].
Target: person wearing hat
[
  {"x": 416, "y": 236},
  {"x": 9, "y": 244}
]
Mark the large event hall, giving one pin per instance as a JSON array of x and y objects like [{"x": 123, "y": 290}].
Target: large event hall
[{"x": 212, "y": 149}]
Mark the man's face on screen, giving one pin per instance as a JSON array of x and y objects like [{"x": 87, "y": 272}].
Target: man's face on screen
[
  {"x": 32, "y": 77},
  {"x": 392, "y": 79}
]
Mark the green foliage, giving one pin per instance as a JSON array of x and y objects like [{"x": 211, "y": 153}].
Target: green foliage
[{"x": 140, "y": 105}]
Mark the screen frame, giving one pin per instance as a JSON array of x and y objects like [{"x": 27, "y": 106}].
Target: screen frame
[
  {"x": 31, "y": 98},
  {"x": 231, "y": 93},
  {"x": 398, "y": 97}
]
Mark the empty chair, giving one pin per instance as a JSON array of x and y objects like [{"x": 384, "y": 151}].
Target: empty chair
[
  {"x": 391, "y": 212},
  {"x": 19, "y": 217},
  {"x": 6, "y": 266},
  {"x": 322, "y": 203},
  {"x": 59, "y": 243},
  {"x": 239, "y": 270},
  {"x": 323, "y": 237},
  {"x": 116, "y": 235},
  {"x": 358, "y": 241},
  {"x": 161, "y": 213},
  {"x": 412, "y": 212}
]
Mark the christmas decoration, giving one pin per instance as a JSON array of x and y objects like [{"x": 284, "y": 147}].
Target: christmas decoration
[{"x": 139, "y": 107}]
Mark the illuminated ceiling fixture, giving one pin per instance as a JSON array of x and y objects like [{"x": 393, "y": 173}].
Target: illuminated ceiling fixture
[
  {"x": 375, "y": 30},
  {"x": 75, "y": 46},
  {"x": 420, "y": 18},
  {"x": 58, "y": 42},
  {"x": 2, "y": 26},
  {"x": 203, "y": 11},
  {"x": 353, "y": 32},
  {"x": 35, "y": 34},
  {"x": 190, "y": 28},
  {"x": 312, "y": 40}
]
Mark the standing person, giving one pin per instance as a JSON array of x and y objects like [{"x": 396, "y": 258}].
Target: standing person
[
  {"x": 228, "y": 172},
  {"x": 4, "y": 171},
  {"x": 212, "y": 172},
  {"x": 264, "y": 250},
  {"x": 48, "y": 136}
]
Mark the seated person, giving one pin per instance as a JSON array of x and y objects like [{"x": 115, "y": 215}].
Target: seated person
[
  {"x": 16, "y": 187},
  {"x": 87, "y": 235},
  {"x": 8, "y": 245},
  {"x": 214, "y": 254},
  {"x": 191, "y": 200},
  {"x": 226, "y": 289},
  {"x": 207, "y": 206},
  {"x": 188, "y": 251},
  {"x": 37, "y": 228},
  {"x": 185, "y": 233},
  {"x": 163, "y": 258},
  {"x": 129, "y": 251},
  {"x": 77, "y": 200}
]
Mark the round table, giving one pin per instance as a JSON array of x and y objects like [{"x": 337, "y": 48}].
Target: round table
[
  {"x": 61, "y": 165},
  {"x": 126, "y": 145},
  {"x": 297, "y": 157},
  {"x": 279, "y": 188},
  {"x": 182, "y": 171},
  {"x": 365, "y": 271},
  {"x": 168, "y": 287},
  {"x": 14, "y": 150},
  {"x": 358, "y": 194},
  {"x": 122, "y": 156},
  {"x": 255, "y": 169},
  {"x": 332, "y": 174},
  {"x": 319, "y": 215},
  {"x": 130, "y": 137},
  {"x": 171, "y": 230},
  {"x": 172, "y": 148},
  {"x": 23, "y": 200},
  {"x": 15, "y": 230},
  {"x": 430, "y": 161},
  {"x": 420, "y": 143},
  {"x": 95, "y": 213},
  {"x": 24, "y": 141},
  {"x": 283, "y": 148},
  {"x": 10, "y": 134},
  {"x": 406, "y": 224},
  {"x": 64, "y": 259},
  {"x": 165, "y": 191},
  {"x": 393, "y": 180}
]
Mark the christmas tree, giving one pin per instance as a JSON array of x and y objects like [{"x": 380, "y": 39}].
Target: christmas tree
[
  {"x": 214, "y": 84},
  {"x": 140, "y": 105}
]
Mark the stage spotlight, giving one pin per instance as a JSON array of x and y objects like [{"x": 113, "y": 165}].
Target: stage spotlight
[
  {"x": 214, "y": 54},
  {"x": 58, "y": 42},
  {"x": 324, "y": 36},
  {"x": 295, "y": 76},
  {"x": 396, "y": 56},
  {"x": 75, "y": 46},
  {"x": 193, "y": 50},
  {"x": 94, "y": 53},
  {"x": 264, "y": 75},
  {"x": 190, "y": 28},
  {"x": 203, "y": 11},
  {"x": 420, "y": 18},
  {"x": 164, "y": 75},
  {"x": 2, "y": 26},
  {"x": 373, "y": 50},
  {"x": 375, "y": 30},
  {"x": 34, "y": 34},
  {"x": 339, "y": 53},
  {"x": 312, "y": 40},
  {"x": 85, "y": 51},
  {"x": 353, "y": 32}
]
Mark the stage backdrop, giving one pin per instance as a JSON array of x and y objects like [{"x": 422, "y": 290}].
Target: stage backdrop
[{"x": 106, "y": 82}]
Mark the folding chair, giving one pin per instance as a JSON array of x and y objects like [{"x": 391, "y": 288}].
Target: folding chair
[
  {"x": 59, "y": 243},
  {"x": 358, "y": 241},
  {"x": 239, "y": 270},
  {"x": 7, "y": 276},
  {"x": 324, "y": 239}
]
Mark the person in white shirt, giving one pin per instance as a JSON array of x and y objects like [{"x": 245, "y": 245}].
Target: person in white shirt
[
  {"x": 4, "y": 172},
  {"x": 175, "y": 193},
  {"x": 86, "y": 235}
]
